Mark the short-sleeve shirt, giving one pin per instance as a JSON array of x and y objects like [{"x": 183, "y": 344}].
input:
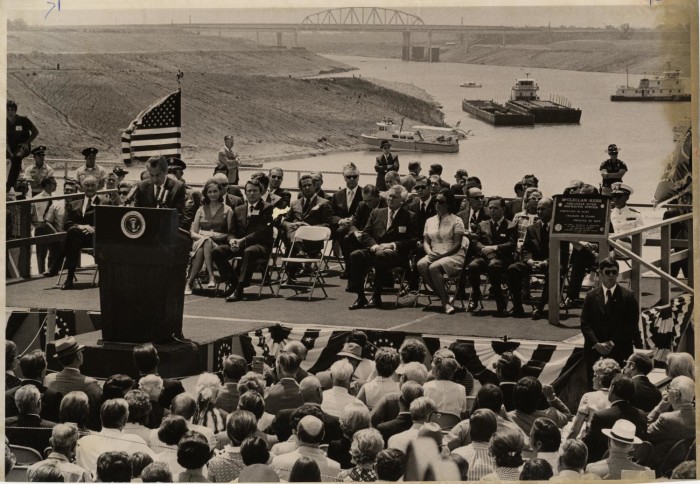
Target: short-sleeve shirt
[
  {"x": 97, "y": 171},
  {"x": 34, "y": 175},
  {"x": 612, "y": 166},
  {"x": 18, "y": 132}
]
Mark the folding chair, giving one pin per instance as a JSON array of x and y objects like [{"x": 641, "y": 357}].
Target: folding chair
[
  {"x": 398, "y": 272},
  {"x": 306, "y": 233},
  {"x": 448, "y": 420},
  {"x": 25, "y": 456},
  {"x": 271, "y": 265},
  {"x": 451, "y": 282},
  {"x": 675, "y": 455},
  {"x": 88, "y": 251}
]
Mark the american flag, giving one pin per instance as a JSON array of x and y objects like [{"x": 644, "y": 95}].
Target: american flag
[{"x": 156, "y": 131}]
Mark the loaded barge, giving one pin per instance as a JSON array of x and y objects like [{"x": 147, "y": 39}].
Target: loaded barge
[
  {"x": 497, "y": 114},
  {"x": 524, "y": 99}
]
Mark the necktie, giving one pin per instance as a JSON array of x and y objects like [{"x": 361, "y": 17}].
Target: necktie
[
  {"x": 158, "y": 189},
  {"x": 87, "y": 206},
  {"x": 250, "y": 212},
  {"x": 46, "y": 209},
  {"x": 608, "y": 303},
  {"x": 351, "y": 195},
  {"x": 422, "y": 208},
  {"x": 269, "y": 197},
  {"x": 392, "y": 214}
]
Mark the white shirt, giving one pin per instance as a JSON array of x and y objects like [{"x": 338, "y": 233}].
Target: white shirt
[
  {"x": 335, "y": 400},
  {"x": 605, "y": 292},
  {"x": 92, "y": 446},
  {"x": 85, "y": 203},
  {"x": 401, "y": 440},
  {"x": 350, "y": 195},
  {"x": 373, "y": 391},
  {"x": 450, "y": 397}
]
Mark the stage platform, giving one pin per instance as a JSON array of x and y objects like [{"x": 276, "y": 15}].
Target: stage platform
[{"x": 208, "y": 320}]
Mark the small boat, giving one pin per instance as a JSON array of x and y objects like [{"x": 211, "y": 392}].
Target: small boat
[
  {"x": 497, "y": 114},
  {"x": 524, "y": 98},
  {"x": 667, "y": 87},
  {"x": 419, "y": 138},
  {"x": 470, "y": 84}
]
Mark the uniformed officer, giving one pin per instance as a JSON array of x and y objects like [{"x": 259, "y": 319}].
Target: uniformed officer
[
  {"x": 90, "y": 168},
  {"x": 38, "y": 171},
  {"x": 20, "y": 134},
  {"x": 612, "y": 170},
  {"x": 622, "y": 217},
  {"x": 228, "y": 161},
  {"x": 177, "y": 167},
  {"x": 120, "y": 173}
]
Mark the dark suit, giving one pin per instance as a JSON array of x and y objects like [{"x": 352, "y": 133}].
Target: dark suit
[
  {"x": 597, "y": 442},
  {"x": 283, "y": 395},
  {"x": 11, "y": 381},
  {"x": 472, "y": 218},
  {"x": 402, "y": 233},
  {"x": 617, "y": 323},
  {"x": 254, "y": 229},
  {"x": 504, "y": 237},
  {"x": 351, "y": 241},
  {"x": 314, "y": 211},
  {"x": 37, "y": 438},
  {"x": 172, "y": 195},
  {"x": 668, "y": 429},
  {"x": 646, "y": 395},
  {"x": 171, "y": 389},
  {"x": 339, "y": 451},
  {"x": 340, "y": 207},
  {"x": 281, "y": 426},
  {"x": 68, "y": 380},
  {"x": 50, "y": 401},
  {"x": 233, "y": 201},
  {"x": 421, "y": 215},
  {"x": 401, "y": 423},
  {"x": 384, "y": 164},
  {"x": 75, "y": 238},
  {"x": 536, "y": 248},
  {"x": 512, "y": 207},
  {"x": 279, "y": 198}
]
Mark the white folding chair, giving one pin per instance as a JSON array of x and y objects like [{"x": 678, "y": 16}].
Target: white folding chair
[
  {"x": 306, "y": 233},
  {"x": 89, "y": 251}
]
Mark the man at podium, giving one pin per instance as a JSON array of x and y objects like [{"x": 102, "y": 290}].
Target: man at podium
[{"x": 160, "y": 191}]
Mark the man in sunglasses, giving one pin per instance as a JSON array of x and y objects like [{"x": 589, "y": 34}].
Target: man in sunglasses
[{"x": 609, "y": 319}]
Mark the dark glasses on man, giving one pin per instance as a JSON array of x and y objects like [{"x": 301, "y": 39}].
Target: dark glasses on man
[
  {"x": 610, "y": 272},
  {"x": 352, "y": 177}
]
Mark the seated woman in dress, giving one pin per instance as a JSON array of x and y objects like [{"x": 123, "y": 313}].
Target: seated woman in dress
[
  {"x": 444, "y": 252},
  {"x": 604, "y": 371},
  {"x": 210, "y": 225}
]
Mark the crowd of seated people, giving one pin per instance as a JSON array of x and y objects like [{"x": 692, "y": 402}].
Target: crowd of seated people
[{"x": 358, "y": 421}]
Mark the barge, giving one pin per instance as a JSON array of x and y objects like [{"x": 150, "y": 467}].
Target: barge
[
  {"x": 524, "y": 99},
  {"x": 497, "y": 114}
]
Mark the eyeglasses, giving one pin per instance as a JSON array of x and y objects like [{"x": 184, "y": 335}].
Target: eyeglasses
[
  {"x": 610, "y": 272},
  {"x": 440, "y": 201},
  {"x": 275, "y": 177},
  {"x": 421, "y": 187},
  {"x": 352, "y": 177}
]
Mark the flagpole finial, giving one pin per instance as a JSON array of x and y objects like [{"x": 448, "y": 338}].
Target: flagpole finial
[{"x": 179, "y": 75}]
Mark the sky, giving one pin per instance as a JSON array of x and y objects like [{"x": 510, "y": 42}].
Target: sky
[{"x": 583, "y": 13}]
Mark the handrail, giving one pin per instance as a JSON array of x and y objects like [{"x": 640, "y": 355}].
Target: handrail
[
  {"x": 656, "y": 225},
  {"x": 29, "y": 201}
]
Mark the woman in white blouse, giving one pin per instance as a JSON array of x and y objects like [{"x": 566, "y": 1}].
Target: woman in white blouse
[
  {"x": 450, "y": 397},
  {"x": 444, "y": 252}
]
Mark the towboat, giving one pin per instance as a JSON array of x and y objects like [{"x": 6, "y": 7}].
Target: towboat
[
  {"x": 667, "y": 87},
  {"x": 524, "y": 99},
  {"x": 470, "y": 84},
  {"x": 418, "y": 138}
]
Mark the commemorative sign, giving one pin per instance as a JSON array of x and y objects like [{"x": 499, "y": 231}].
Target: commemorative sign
[{"x": 580, "y": 215}]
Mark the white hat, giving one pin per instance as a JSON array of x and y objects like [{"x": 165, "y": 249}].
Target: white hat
[
  {"x": 619, "y": 187},
  {"x": 623, "y": 431}
]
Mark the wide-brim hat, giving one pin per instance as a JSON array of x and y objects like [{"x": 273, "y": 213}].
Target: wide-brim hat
[
  {"x": 462, "y": 172},
  {"x": 384, "y": 143},
  {"x": 258, "y": 473},
  {"x": 613, "y": 148},
  {"x": 623, "y": 431},
  {"x": 623, "y": 188},
  {"x": 90, "y": 151},
  {"x": 39, "y": 150},
  {"x": 66, "y": 347},
  {"x": 351, "y": 350}
]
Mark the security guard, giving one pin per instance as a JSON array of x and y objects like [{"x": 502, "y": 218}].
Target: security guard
[
  {"x": 177, "y": 167},
  {"x": 120, "y": 173},
  {"x": 91, "y": 169},
  {"x": 622, "y": 217},
  {"x": 38, "y": 171},
  {"x": 612, "y": 170}
]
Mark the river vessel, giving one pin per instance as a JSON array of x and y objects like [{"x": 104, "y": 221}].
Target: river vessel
[
  {"x": 418, "y": 138},
  {"x": 667, "y": 87},
  {"x": 470, "y": 84},
  {"x": 497, "y": 114},
  {"x": 524, "y": 99}
]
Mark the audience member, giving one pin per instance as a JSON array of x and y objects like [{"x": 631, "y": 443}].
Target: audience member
[
  {"x": 75, "y": 409},
  {"x": 450, "y": 397},
  {"x": 285, "y": 393},
  {"x": 526, "y": 396},
  {"x": 292, "y": 443},
  {"x": 390, "y": 465},
  {"x": 63, "y": 441},
  {"x": 646, "y": 395},
  {"x": 225, "y": 467},
  {"x": 156, "y": 472},
  {"x": 114, "y": 467},
  {"x": 409, "y": 391},
  {"x": 573, "y": 457},
  {"x": 46, "y": 472},
  {"x": 622, "y": 439},
  {"x": 234, "y": 368},
  {"x": 11, "y": 361},
  {"x": 545, "y": 439},
  {"x": 366, "y": 444},
  {"x": 193, "y": 453},
  {"x": 506, "y": 448},
  {"x": 152, "y": 385},
  {"x": 388, "y": 407},
  {"x": 335, "y": 399},
  {"x": 685, "y": 471},
  {"x": 386, "y": 360},
  {"x": 507, "y": 373},
  {"x": 536, "y": 470},
  {"x": 172, "y": 429},
  {"x": 116, "y": 386},
  {"x": 482, "y": 426},
  {"x": 305, "y": 469},
  {"x": 207, "y": 414},
  {"x": 33, "y": 366},
  {"x": 146, "y": 361},
  {"x": 139, "y": 461},
  {"x": 353, "y": 418},
  {"x": 139, "y": 410},
  {"x": 604, "y": 370},
  {"x": 28, "y": 428},
  {"x": 422, "y": 409}
]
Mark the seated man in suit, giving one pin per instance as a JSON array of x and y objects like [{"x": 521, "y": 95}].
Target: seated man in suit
[
  {"x": 28, "y": 428},
  {"x": 80, "y": 227},
  {"x": 344, "y": 203},
  {"x": 275, "y": 195},
  {"x": 159, "y": 190},
  {"x": 146, "y": 361},
  {"x": 535, "y": 258},
  {"x": 423, "y": 206},
  {"x": 233, "y": 196},
  {"x": 285, "y": 393},
  {"x": 351, "y": 242},
  {"x": 250, "y": 237},
  {"x": 495, "y": 244},
  {"x": 388, "y": 238},
  {"x": 646, "y": 395},
  {"x": 310, "y": 209},
  {"x": 33, "y": 365},
  {"x": 677, "y": 424}
]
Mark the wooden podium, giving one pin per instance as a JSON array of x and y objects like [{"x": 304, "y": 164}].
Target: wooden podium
[{"x": 142, "y": 257}]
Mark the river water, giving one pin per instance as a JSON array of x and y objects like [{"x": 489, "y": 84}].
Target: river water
[{"x": 501, "y": 155}]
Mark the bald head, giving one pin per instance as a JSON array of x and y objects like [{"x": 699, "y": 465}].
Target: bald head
[
  {"x": 685, "y": 387},
  {"x": 544, "y": 209},
  {"x": 310, "y": 390},
  {"x": 220, "y": 178},
  {"x": 183, "y": 405},
  {"x": 310, "y": 430}
]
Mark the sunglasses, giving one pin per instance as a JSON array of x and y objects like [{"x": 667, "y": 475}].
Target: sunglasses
[
  {"x": 421, "y": 187},
  {"x": 276, "y": 177},
  {"x": 352, "y": 177},
  {"x": 124, "y": 193},
  {"x": 440, "y": 202},
  {"x": 610, "y": 272}
]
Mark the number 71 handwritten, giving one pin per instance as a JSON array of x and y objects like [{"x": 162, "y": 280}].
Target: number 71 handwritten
[{"x": 53, "y": 5}]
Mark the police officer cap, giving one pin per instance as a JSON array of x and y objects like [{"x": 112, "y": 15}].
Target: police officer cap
[
  {"x": 89, "y": 151},
  {"x": 385, "y": 143},
  {"x": 71, "y": 181},
  {"x": 119, "y": 171},
  {"x": 620, "y": 187},
  {"x": 176, "y": 163},
  {"x": 613, "y": 148},
  {"x": 39, "y": 150}
]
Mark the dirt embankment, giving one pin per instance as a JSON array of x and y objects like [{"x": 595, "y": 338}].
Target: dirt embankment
[{"x": 229, "y": 86}]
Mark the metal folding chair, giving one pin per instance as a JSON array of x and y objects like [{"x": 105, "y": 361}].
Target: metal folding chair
[
  {"x": 306, "y": 233},
  {"x": 89, "y": 251}
]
